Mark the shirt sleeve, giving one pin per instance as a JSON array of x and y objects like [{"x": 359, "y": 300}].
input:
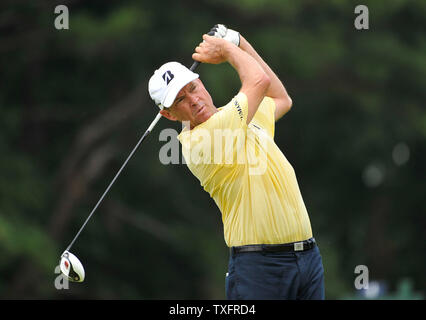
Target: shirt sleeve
[
  {"x": 233, "y": 115},
  {"x": 265, "y": 116}
]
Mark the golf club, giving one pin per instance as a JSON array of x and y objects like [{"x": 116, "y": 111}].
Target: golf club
[{"x": 70, "y": 265}]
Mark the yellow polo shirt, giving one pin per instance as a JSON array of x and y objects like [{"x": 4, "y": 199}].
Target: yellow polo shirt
[{"x": 247, "y": 175}]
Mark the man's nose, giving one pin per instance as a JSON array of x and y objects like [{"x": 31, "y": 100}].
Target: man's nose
[{"x": 193, "y": 100}]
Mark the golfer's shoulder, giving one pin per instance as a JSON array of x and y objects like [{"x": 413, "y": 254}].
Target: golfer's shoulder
[{"x": 238, "y": 105}]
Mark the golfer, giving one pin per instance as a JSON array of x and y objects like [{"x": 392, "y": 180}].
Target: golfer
[{"x": 231, "y": 150}]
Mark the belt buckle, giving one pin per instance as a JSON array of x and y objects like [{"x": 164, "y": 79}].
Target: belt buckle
[{"x": 298, "y": 246}]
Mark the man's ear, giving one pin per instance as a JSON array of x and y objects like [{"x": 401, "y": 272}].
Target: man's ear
[{"x": 167, "y": 114}]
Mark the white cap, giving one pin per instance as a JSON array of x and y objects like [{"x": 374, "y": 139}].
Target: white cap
[{"x": 167, "y": 81}]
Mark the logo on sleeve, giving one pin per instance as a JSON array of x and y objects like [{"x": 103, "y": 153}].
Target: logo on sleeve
[
  {"x": 168, "y": 76},
  {"x": 240, "y": 112}
]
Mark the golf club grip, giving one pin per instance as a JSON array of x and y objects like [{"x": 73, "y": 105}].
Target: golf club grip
[
  {"x": 197, "y": 63},
  {"x": 194, "y": 65}
]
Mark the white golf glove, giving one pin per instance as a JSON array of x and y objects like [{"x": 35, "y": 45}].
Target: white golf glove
[{"x": 221, "y": 31}]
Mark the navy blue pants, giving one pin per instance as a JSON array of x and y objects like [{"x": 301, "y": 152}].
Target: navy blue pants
[{"x": 275, "y": 275}]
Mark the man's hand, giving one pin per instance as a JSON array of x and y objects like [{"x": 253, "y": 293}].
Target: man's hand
[
  {"x": 254, "y": 80},
  {"x": 212, "y": 50}
]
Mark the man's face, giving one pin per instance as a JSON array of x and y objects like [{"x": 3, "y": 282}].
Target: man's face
[{"x": 193, "y": 103}]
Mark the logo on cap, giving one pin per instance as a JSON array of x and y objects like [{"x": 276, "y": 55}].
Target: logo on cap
[{"x": 168, "y": 76}]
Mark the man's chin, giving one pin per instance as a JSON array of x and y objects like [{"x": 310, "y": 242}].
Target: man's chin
[{"x": 204, "y": 116}]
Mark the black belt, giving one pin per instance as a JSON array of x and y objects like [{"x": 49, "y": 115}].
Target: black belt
[{"x": 285, "y": 247}]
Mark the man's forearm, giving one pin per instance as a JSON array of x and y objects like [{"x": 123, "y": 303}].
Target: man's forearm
[
  {"x": 254, "y": 80},
  {"x": 247, "y": 69},
  {"x": 276, "y": 88}
]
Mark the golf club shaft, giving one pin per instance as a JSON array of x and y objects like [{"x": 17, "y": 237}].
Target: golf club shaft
[
  {"x": 194, "y": 65},
  {"x": 150, "y": 128}
]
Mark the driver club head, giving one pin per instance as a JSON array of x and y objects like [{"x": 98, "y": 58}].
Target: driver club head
[{"x": 71, "y": 267}]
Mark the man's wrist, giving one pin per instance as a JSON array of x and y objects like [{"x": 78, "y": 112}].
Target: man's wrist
[
  {"x": 243, "y": 43},
  {"x": 228, "y": 48}
]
